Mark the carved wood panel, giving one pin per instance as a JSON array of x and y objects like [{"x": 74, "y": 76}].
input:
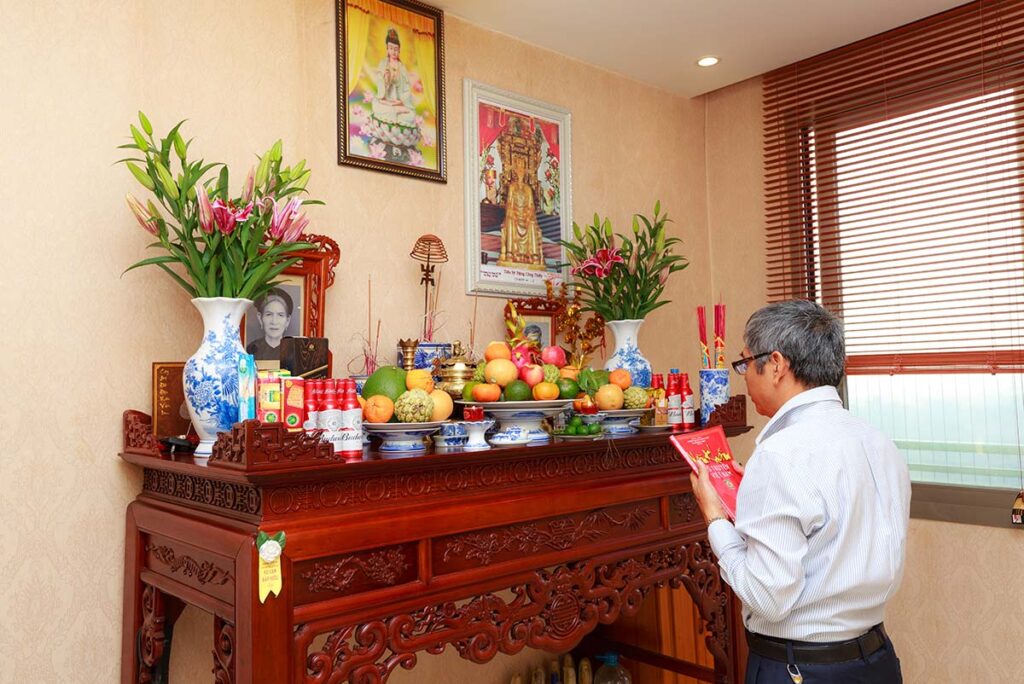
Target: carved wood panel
[
  {"x": 348, "y": 574},
  {"x": 195, "y": 567},
  {"x": 493, "y": 545},
  {"x": 438, "y": 481},
  {"x": 551, "y": 611},
  {"x": 230, "y": 498},
  {"x": 683, "y": 510},
  {"x": 223, "y": 651},
  {"x": 255, "y": 446}
]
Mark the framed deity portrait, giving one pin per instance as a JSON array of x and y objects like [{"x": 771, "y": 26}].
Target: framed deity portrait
[
  {"x": 540, "y": 317},
  {"x": 391, "y": 87},
  {"x": 518, "y": 192},
  {"x": 295, "y": 305}
]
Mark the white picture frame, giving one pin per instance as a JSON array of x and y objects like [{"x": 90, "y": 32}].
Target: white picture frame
[{"x": 537, "y": 143}]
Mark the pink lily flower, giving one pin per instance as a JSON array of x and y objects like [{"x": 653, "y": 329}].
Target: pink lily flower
[
  {"x": 227, "y": 217},
  {"x": 287, "y": 221},
  {"x": 605, "y": 259},
  {"x": 205, "y": 209},
  {"x": 250, "y": 185},
  {"x": 144, "y": 218}
]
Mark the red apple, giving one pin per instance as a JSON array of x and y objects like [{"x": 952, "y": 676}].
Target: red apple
[
  {"x": 531, "y": 374},
  {"x": 553, "y": 355}
]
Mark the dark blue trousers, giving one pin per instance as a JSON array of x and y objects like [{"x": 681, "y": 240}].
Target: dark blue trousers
[{"x": 881, "y": 667}]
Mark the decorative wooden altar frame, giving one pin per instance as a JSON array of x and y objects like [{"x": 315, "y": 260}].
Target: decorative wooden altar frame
[{"x": 387, "y": 558}]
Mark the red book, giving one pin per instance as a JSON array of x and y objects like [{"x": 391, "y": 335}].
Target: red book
[{"x": 711, "y": 448}]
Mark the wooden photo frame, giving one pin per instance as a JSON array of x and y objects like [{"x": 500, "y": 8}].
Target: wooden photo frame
[
  {"x": 518, "y": 192},
  {"x": 538, "y": 312},
  {"x": 305, "y": 288},
  {"x": 391, "y": 101}
]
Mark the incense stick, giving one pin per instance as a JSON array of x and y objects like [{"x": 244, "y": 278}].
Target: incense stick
[{"x": 702, "y": 331}]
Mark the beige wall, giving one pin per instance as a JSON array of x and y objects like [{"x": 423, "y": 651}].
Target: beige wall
[{"x": 244, "y": 73}]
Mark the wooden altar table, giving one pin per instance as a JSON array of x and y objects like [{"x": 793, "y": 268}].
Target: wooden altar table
[{"x": 487, "y": 552}]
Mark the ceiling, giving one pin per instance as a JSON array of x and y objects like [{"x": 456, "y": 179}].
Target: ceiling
[{"x": 659, "y": 41}]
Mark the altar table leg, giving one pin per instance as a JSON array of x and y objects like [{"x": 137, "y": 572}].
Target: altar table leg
[{"x": 223, "y": 651}]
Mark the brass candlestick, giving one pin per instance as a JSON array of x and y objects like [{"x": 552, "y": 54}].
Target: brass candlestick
[{"x": 408, "y": 348}]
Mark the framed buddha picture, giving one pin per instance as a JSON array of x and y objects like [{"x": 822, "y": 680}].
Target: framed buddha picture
[
  {"x": 391, "y": 87},
  {"x": 518, "y": 192}
]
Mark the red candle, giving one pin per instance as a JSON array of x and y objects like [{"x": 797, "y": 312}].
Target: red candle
[{"x": 473, "y": 413}]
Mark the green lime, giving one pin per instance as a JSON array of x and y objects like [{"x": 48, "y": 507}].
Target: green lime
[
  {"x": 467, "y": 390},
  {"x": 567, "y": 388},
  {"x": 576, "y": 420},
  {"x": 517, "y": 390},
  {"x": 594, "y": 429},
  {"x": 571, "y": 430}
]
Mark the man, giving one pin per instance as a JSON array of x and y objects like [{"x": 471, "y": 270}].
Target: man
[{"x": 821, "y": 516}]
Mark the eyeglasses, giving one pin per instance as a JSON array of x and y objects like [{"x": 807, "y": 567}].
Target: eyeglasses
[{"x": 742, "y": 365}]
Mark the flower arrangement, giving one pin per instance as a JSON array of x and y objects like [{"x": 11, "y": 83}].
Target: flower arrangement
[
  {"x": 227, "y": 246},
  {"x": 625, "y": 280}
]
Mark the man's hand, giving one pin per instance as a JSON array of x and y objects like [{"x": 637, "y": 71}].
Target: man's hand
[{"x": 707, "y": 498}]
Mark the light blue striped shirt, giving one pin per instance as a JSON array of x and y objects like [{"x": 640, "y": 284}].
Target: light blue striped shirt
[{"x": 821, "y": 524}]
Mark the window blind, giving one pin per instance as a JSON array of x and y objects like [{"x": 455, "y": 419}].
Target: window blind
[{"x": 893, "y": 191}]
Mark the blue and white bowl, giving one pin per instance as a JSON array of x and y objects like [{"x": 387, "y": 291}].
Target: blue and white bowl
[
  {"x": 510, "y": 436},
  {"x": 526, "y": 415},
  {"x": 452, "y": 435},
  {"x": 621, "y": 422},
  {"x": 402, "y": 436}
]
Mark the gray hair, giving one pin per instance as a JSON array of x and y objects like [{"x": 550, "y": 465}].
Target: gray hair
[{"x": 806, "y": 334}]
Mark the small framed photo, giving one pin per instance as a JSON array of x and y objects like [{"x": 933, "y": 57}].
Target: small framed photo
[
  {"x": 170, "y": 414},
  {"x": 391, "y": 87},
  {"x": 518, "y": 192},
  {"x": 540, "y": 317},
  {"x": 295, "y": 306}
]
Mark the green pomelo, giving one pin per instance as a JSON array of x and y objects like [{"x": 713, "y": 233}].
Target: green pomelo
[{"x": 387, "y": 380}]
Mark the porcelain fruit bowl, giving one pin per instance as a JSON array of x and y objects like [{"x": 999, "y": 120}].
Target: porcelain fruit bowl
[
  {"x": 517, "y": 417},
  {"x": 402, "y": 436}
]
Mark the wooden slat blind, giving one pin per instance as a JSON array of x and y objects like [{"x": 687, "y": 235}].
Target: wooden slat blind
[{"x": 893, "y": 171}]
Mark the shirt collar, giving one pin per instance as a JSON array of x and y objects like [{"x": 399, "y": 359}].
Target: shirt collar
[{"x": 811, "y": 396}]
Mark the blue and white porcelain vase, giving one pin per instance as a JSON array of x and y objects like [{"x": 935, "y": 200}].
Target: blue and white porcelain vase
[
  {"x": 211, "y": 375},
  {"x": 627, "y": 352}
]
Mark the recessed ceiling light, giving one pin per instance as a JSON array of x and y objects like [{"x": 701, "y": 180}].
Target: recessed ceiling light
[{"x": 708, "y": 61}]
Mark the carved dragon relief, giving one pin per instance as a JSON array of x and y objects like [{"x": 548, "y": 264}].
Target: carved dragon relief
[
  {"x": 380, "y": 567},
  {"x": 558, "y": 534},
  {"x": 204, "y": 572},
  {"x": 551, "y": 611}
]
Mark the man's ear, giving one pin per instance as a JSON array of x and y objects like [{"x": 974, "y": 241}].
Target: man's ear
[{"x": 780, "y": 364}]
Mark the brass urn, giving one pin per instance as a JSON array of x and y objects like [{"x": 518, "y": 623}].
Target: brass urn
[{"x": 454, "y": 371}]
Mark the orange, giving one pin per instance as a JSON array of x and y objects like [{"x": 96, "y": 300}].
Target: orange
[
  {"x": 500, "y": 371},
  {"x": 419, "y": 379},
  {"x": 582, "y": 401},
  {"x": 620, "y": 377},
  {"x": 609, "y": 397},
  {"x": 571, "y": 372},
  {"x": 497, "y": 350},
  {"x": 443, "y": 405},
  {"x": 545, "y": 391},
  {"x": 379, "y": 409},
  {"x": 486, "y": 391},
  {"x": 362, "y": 402}
]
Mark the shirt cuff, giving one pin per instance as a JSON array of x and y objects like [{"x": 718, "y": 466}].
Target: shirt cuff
[{"x": 723, "y": 535}]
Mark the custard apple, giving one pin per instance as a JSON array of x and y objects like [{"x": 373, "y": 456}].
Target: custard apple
[
  {"x": 414, "y": 406},
  {"x": 478, "y": 374},
  {"x": 551, "y": 373},
  {"x": 635, "y": 397}
]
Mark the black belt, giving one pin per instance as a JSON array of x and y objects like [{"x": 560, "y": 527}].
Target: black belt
[{"x": 807, "y": 652}]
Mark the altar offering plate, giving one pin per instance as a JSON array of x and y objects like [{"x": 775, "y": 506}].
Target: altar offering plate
[
  {"x": 654, "y": 429},
  {"x": 402, "y": 436},
  {"x": 525, "y": 415},
  {"x": 619, "y": 422}
]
